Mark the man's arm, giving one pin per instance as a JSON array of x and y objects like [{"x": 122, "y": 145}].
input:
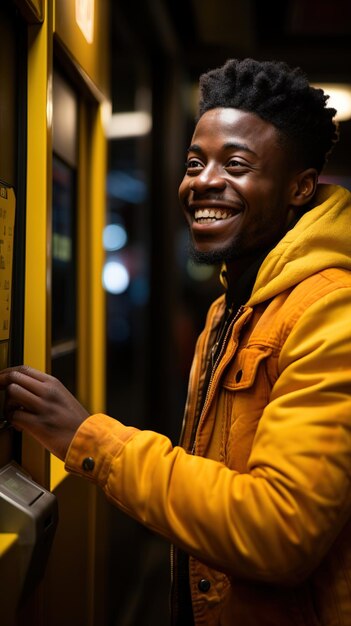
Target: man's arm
[{"x": 274, "y": 523}]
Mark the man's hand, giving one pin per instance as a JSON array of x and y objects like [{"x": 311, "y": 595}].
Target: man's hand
[{"x": 42, "y": 406}]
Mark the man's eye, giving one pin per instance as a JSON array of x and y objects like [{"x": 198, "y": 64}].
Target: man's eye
[
  {"x": 192, "y": 164},
  {"x": 234, "y": 163}
]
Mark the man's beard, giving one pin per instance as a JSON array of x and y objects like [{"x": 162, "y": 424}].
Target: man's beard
[{"x": 214, "y": 257}]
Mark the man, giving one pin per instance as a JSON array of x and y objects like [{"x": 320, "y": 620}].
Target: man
[{"x": 259, "y": 492}]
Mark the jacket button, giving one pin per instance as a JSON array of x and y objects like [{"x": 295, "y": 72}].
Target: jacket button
[
  {"x": 204, "y": 585},
  {"x": 88, "y": 464},
  {"x": 238, "y": 376}
]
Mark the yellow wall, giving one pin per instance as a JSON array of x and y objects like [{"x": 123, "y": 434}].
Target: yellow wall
[
  {"x": 34, "y": 458},
  {"x": 91, "y": 58},
  {"x": 75, "y": 559}
]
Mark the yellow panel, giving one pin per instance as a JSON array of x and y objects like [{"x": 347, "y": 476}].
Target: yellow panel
[
  {"x": 36, "y": 224},
  {"x": 57, "y": 472},
  {"x": 9, "y": 572},
  {"x": 69, "y": 585},
  {"x": 34, "y": 457},
  {"x": 91, "y": 296},
  {"x": 97, "y": 301},
  {"x": 90, "y": 53},
  {"x": 7, "y": 541}
]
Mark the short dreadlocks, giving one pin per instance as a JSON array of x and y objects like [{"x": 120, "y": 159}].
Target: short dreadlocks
[{"x": 279, "y": 95}]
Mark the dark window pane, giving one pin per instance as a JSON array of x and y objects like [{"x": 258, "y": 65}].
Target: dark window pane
[
  {"x": 64, "y": 270},
  {"x": 63, "y": 253}
]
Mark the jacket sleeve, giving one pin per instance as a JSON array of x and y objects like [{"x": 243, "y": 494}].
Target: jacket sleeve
[{"x": 276, "y": 522}]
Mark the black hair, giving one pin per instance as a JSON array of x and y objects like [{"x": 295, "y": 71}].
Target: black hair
[{"x": 280, "y": 95}]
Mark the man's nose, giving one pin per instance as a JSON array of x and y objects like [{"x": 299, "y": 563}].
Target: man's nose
[{"x": 211, "y": 177}]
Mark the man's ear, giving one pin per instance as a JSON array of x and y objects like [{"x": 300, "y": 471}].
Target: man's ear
[{"x": 304, "y": 187}]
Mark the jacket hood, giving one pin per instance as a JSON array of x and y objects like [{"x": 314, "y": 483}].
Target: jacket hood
[{"x": 320, "y": 239}]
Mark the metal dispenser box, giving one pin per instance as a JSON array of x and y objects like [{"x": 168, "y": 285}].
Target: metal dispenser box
[{"x": 30, "y": 511}]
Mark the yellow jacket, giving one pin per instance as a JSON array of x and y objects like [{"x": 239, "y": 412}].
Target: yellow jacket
[{"x": 263, "y": 506}]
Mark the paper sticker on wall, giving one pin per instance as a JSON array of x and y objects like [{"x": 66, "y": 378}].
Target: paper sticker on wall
[{"x": 7, "y": 222}]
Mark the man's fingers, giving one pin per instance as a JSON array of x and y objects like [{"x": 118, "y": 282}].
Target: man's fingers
[
  {"x": 33, "y": 389},
  {"x": 23, "y": 377},
  {"x": 24, "y": 387},
  {"x": 16, "y": 416},
  {"x": 35, "y": 374},
  {"x": 19, "y": 396}
]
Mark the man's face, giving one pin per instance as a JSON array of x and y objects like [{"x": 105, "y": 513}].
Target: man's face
[{"x": 236, "y": 189}]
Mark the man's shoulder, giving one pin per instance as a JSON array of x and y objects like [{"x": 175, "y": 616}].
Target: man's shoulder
[
  {"x": 321, "y": 283},
  {"x": 337, "y": 276},
  {"x": 281, "y": 314}
]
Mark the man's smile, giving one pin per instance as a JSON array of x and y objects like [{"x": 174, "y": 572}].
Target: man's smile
[
  {"x": 210, "y": 211},
  {"x": 205, "y": 216},
  {"x": 206, "y": 221}
]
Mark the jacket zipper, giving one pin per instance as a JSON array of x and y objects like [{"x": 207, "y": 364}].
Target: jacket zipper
[
  {"x": 173, "y": 598},
  {"x": 214, "y": 367}
]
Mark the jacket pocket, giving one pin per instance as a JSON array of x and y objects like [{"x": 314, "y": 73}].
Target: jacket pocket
[
  {"x": 243, "y": 372},
  {"x": 246, "y": 391}
]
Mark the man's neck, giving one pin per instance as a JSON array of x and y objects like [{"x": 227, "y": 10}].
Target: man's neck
[{"x": 237, "y": 268}]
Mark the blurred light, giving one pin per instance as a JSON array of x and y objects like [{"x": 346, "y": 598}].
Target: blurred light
[
  {"x": 85, "y": 18},
  {"x": 125, "y": 186},
  {"x": 133, "y": 124},
  {"x": 49, "y": 102},
  {"x": 114, "y": 237},
  {"x": 61, "y": 247},
  {"x": 199, "y": 272},
  {"x": 339, "y": 98},
  {"x": 106, "y": 113},
  {"x": 115, "y": 277}
]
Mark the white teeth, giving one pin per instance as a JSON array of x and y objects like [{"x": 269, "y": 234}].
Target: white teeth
[{"x": 211, "y": 214}]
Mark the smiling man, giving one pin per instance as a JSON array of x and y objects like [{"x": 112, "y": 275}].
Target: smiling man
[
  {"x": 256, "y": 499},
  {"x": 237, "y": 195}
]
